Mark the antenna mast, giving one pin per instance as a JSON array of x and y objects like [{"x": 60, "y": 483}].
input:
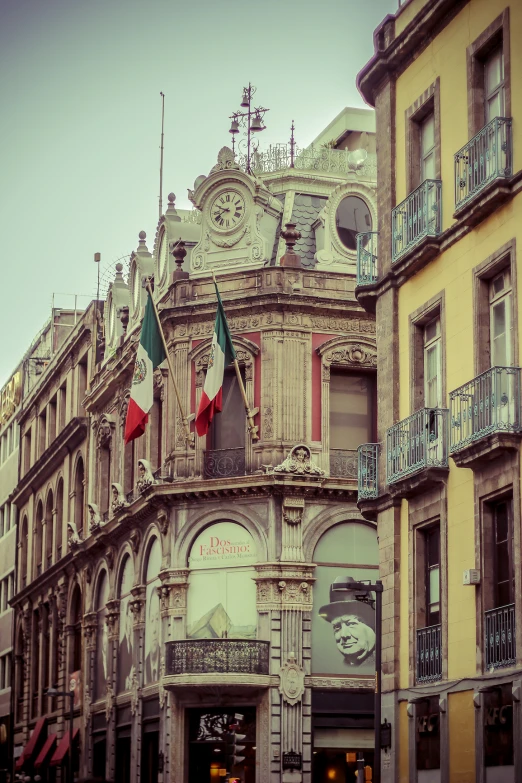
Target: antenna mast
[{"x": 161, "y": 156}]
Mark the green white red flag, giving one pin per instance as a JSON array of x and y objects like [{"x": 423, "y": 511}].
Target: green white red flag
[
  {"x": 221, "y": 354},
  {"x": 151, "y": 354}
]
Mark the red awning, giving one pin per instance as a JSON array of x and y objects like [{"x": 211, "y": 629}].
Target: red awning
[
  {"x": 34, "y": 740},
  {"x": 61, "y": 751},
  {"x": 46, "y": 752}
]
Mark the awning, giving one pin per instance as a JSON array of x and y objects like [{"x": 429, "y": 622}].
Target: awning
[
  {"x": 60, "y": 753},
  {"x": 34, "y": 740},
  {"x": 46, "y": 752}
]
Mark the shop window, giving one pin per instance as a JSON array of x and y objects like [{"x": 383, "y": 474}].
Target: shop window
[
  {"x": 126, "y": 668},
  {"x": 212, "y": 734},
  {"x": 352, "y": 402},
  {"x": 124, "y": 746},
  {"x": 427, "y": 737},
  {"x": 150, "y": 728},
  {"x": 222, "y": 591},
  {"x": 99, "y": 745},
  {"x": 498, "y": 732},
  {"x": 343, "y": 628}
]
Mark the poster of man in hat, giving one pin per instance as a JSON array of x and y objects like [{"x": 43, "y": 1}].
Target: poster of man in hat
[{"x": 343, "y": 630}]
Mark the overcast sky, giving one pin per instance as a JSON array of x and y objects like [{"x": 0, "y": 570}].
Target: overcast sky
[{"x": 81, "y": 120}]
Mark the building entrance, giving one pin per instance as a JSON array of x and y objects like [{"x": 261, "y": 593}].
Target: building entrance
[{"x": 222, "y": 742}]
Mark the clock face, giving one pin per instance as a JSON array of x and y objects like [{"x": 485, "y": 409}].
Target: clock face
[
  {"x": 162, "y": 255},
  {"x": 227, "y": 210}
]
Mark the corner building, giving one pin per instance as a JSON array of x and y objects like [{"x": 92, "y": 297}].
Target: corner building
[
  {"x": 200, "y": 579},
  {"x": 445, "y": 81}
]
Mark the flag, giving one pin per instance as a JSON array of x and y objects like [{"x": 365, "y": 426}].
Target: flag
[
  {"x": 221, "y": 354},
  {"x": 150, "y": 355}
]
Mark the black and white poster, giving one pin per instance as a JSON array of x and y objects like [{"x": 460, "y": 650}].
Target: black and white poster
[
  {"x": 152, "y": 616},
  {"x": 126, "y": 648}
]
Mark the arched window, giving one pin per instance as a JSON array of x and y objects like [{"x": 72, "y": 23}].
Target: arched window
[
  {"x": 19, "y": 675},
  {"x": 102, "y": 637},
  {"x": 222, "y": 592},
  {"x": 58, "y": 532},
  {"x": 38, "y": 539},
  {"x": 24, "y": 544},
  {"x": 79, "y": 495},
  {"x": 153, "y": 618},
  {"x": 49, "y": 530},
  {"x": 343, "y": 628},
  {"x": 35, "y": 663},
  {"x": 76, "y": 622},
  {"x": 126, "y": 647}
]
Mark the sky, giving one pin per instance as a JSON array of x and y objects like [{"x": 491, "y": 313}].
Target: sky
[{"x": 81, "y": 121}]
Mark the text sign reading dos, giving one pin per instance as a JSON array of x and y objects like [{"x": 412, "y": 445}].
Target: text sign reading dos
[
  {"x": 221, "y": 545},
  {"x": 10, "y": 397}
]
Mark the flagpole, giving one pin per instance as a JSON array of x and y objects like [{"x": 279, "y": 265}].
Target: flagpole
[
  {"x": 252, "y": 428},
  {"x": 189, "y": 436}
]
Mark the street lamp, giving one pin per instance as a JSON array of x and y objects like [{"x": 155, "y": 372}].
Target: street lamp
[
  {"x": 70, "y": 695},
  {"x": 252, "y": 119},
  {"x": 362, "y": 592}
]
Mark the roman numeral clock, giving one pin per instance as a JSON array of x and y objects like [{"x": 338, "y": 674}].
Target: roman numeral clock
[{"x": 239, "y": 218}]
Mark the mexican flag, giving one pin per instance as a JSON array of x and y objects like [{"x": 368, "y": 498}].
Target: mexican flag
[
  {"x": 150, "y": 355},
  {"x": 221, "y": 354}
]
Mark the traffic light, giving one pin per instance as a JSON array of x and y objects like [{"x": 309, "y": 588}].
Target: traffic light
[{"x": 233, "y": 749}]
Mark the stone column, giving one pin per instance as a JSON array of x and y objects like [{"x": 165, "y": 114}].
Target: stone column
[
  {"x": 176, "y": 438},
  {"x": 113, "y": 627},
  {"x": 137, "y": 603}
]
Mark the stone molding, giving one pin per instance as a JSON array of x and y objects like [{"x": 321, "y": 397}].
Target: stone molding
[{"x": 292, "y": 680}]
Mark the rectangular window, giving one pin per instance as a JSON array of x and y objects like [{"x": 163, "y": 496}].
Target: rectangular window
[
  {"x": 351, "y": 409},
  {"x": 503, "y": 566},
  {"x": 432, "y": 575},
  {"x": 494, "y": 85},
  {"x": 427, "y": 147},
  {"x": 27, "y": 450},
  {"x": 432, "y": 365},
  {"x": 489, "y": 74},
  {"x": 2, "y": 521},
  {"x": 228, "y": 427},
  {"x": 500, "y": 321}
]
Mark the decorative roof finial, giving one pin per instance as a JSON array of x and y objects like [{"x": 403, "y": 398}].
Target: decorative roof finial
[{"x": 291, "y": 236}]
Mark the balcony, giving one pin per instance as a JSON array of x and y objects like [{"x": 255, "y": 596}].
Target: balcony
[
  {"x": 429, "y": 653},
  {"x": 485, "y": 416},
  {"x": 343, "y": 463},
  {"x": 367, "y": 270},
  {"x": 499, "y": 637},
  {"x": 367, "y": 471},
  {"x": 417, "y": 217},
  {"x": 224, "y": 463},
  {"x": 484, "y": 159},
  {"x": 417, "y": 450},
  {"x": 240, "y": 663}
]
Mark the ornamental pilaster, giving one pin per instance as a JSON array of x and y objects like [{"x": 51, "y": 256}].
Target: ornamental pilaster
[
  {"x": 89, "y": 626},
  {"x": 173, "y": 592},
  {"x": 292, "y": 529},
  {"x": 113, "y": 619},
  {"x": 280, "y": 587},
  {"x": 137, "y": 605}
]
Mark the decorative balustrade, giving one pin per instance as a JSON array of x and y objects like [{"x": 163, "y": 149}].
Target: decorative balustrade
[
  {"x": 367, "y": 471},
  {"x": 489, "y": 403},
  {"x": 222, "y": 463},
  {"x": 416, "y": 217},
  {"x": 367, "y": 270},
  {"x": 220, "y": 656},
  {"x": 418, "y": 442},
  {"x": 500, "y": 637},
  {"x": 486, "y": 157},
  {"x": 326, "y": 159},
  {"x": 429, "y": 653},
  {"x": 343, "y": 463},
  {"x": 129, "y": 497}
]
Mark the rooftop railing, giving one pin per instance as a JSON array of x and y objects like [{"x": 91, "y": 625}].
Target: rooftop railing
[
  {"x": 488, "y": 403},
  {"x": 367, "y": 471},
  {"x": 367, "y": 270},
  {"x": 416, "y": 217},
  {"x": 500, "y": 637},
  {"x": 418, "y": 442},
  {"x": 486, "y": 157},
  {"x": 325, "y": 159}
]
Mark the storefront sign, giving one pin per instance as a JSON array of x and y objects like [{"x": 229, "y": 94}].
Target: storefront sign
[
  {"x": 223, "y": 544},
  {"x": 10, "y": 397},
  {"x": 292, "y": 760}
]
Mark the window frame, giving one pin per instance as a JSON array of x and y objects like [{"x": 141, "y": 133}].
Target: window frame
[
  {"x": 428, "y": 103},
  {"x": 418, "y": 320},
  {"x": 495, "y": 35}
]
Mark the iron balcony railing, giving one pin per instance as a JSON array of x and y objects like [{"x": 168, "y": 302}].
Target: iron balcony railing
[
  {"x": 429, "y": 653},
  {"x": 499, "y": 637},
  {"x": 416, "y": 217},
  {"x": 367, "y": 467},
  {"x": 367, "y": 270},
  {"x": 488, "y": 403},
  {"x": 220, "y": 656},
  {"x": 222, "y": 463},
  {"x": 486, "y": 157},
  {"x": 343, "y": 463},
  {"x": 420, "y": 441}
]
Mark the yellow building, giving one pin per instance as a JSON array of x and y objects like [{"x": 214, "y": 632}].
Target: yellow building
[{"x": 441, "y": 277}]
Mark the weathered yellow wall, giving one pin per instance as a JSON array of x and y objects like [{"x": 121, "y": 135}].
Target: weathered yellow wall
[
  {"x": 404, "y": 617},
  {"x": 461, "y": 737},
  {"x": 404, "y": 775}
]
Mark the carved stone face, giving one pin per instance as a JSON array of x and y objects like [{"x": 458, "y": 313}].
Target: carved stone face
[
  {"x": 114, "y": 493},
  {"x": 91, "y": 513},
  {"x": 301, "y": 455},
  {"x": 141, "y": 470}
]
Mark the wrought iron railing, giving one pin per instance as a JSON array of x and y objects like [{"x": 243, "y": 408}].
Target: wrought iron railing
[
  {"x": 429, "y": 653},
  {"x": 420, "y": 441},
  {"x": 500, "y": 637},
  {"x": 327, "y": 159},
  {"x": 488, "y": 403},
  {"x": 486, "y": 157},
  {"x": 367, "y": 471},
  {"x": 220, "y": 656},
  {"x": 416, "y": 217},
  {"x": 222, "y": 463},
  {"x": 343, "y": 463},
  {"x": 367, "y": 270}
]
